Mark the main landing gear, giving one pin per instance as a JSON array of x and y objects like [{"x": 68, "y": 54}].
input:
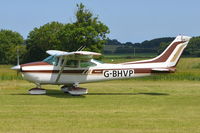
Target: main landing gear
[{"x": 74, "y": 90}]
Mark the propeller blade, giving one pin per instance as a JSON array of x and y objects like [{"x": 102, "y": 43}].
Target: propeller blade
[{"x": 16, "y": 67}]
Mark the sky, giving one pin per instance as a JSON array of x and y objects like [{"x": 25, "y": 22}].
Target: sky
[{"x": 128, "y": 20}]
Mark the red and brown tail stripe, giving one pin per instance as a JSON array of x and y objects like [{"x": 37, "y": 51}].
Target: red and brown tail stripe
[{"x": 162, "y": 58}]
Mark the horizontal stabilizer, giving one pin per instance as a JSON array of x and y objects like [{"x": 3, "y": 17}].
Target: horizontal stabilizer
[{"x": 163, "y": 70}]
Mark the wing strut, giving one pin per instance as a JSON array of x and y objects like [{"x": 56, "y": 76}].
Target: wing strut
[{"x": 61, "y": 70}]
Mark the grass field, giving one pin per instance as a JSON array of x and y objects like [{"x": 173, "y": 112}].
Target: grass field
[{"x": 158, "y": 104}]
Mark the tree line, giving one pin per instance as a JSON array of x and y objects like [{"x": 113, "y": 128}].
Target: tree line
[
  {"x": 152, "y": 46},
  {"x": 87, "y": 30}
]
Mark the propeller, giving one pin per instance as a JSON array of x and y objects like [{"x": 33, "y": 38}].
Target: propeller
[{"x": 17, "y": 67}]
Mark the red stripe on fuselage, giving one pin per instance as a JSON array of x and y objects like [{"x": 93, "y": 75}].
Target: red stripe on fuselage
[
  {"x": 53, "y": 71},
  {"x": 36, "y": 64},
  {"x": 136, "y": 70}
]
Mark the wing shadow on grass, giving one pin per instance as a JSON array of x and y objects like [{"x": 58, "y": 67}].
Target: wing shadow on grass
[
  {"x": 53, "y": 93},
  {"x": 140, "y": 93},
  {"x": 60, "y": 94}
]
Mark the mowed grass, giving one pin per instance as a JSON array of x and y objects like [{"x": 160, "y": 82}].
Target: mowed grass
[
  {"x": 110, "y": 107},
  {"x": 166, "y": 104}
]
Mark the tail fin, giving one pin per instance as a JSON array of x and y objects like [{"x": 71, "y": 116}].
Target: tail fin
[
  {"x": 171, "y": 55},
  {"x": 174, "y": 51}
]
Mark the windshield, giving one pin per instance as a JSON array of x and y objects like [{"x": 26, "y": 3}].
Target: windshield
[
  {"x": 98, "y": 61},
  {"x": 51, "y": 60}
]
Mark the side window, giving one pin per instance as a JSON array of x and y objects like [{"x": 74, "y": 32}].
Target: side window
[
  {"x": 85, "y": 64},
  {"x": 72, "y": 63},
  {"x": 78, "y": 63}
]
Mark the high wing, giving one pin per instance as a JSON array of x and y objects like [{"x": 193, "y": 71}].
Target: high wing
[{"x": 73, "y": 55}]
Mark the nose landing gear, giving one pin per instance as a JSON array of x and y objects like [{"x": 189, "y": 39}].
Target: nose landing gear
[{"x": 37, "y": 90}]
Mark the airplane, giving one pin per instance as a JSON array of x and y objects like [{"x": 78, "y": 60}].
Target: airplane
[{"x": 73, "y": 68}]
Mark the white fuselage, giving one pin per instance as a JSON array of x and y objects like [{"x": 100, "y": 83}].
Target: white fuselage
[{"x": 47, "y": 74}]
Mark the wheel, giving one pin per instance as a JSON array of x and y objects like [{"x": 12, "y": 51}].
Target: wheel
[
  {"x": 77, "y": 91},
  {"x": 65, "y": 88},
  {"x": 37, "y": 91}
]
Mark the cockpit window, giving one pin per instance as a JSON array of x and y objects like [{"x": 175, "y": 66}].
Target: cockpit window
[
  {"x": 78, "y": 63},
  {"x": 51, "y": 60}
]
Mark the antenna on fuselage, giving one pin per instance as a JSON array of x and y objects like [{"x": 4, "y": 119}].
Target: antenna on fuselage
[
  {"x": 81, "y": 48},
  {"x": 17, "y": 57}
]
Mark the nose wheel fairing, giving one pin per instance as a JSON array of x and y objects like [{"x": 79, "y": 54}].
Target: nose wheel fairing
[{"x": 37, "y": 91}]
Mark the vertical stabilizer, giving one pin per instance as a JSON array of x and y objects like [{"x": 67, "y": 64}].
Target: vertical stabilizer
[
  {"x": 171, "y": 54},
  {"x": 180, "y": 44}
]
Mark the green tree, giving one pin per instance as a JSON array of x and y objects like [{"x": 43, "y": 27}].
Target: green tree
[
  {"x": 87, "y": 31},
  {"x": 162, "y": 47},
  {"x": 9, "y": 43},
  {"x": 41, "y": 39},
  {"x": 193, "y": 47}
]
